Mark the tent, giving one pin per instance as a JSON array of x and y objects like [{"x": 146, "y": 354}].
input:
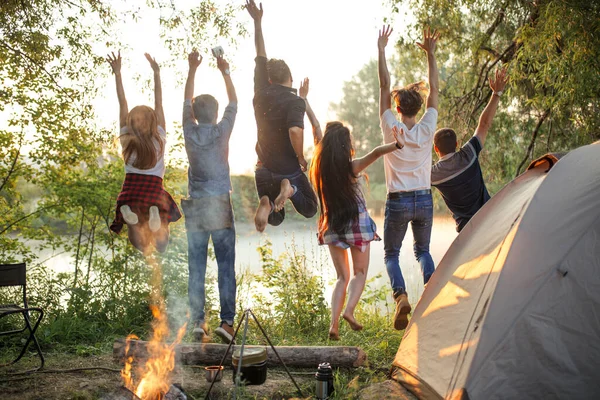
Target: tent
[{"x": 513, "y": 309}]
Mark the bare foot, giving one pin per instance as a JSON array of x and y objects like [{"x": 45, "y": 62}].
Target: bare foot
[
  {"x": 353, "y": 323},
  {"x": 334, "y": 335},
  {"x": 285, "y": 193},
  {"x": 262, "y": 214}
]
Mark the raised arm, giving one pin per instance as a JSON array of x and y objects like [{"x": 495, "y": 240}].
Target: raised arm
[
  {"x": 385, "y": 101},
  {"x": 429, "y": 43},
  {"x": 115, "y": 64},
  {"x": 226, "y": 124},
  {"x": 194, "y": 61},
  {"x": 297, "y": 139},
  {"x": 223, "y": 66},
  {"x": 158, "y": 108},
  {"x": 359, "y": 164},
  {"x": 317, "y": 132},
  {"x": 256, "y": 14},
  {"x": 485, "y": 120}
]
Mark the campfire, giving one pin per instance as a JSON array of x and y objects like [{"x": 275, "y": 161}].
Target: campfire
[{"x": 152, "y": 380}]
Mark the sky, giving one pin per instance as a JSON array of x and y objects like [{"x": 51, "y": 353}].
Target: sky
[{"x": 327, "y": 41}]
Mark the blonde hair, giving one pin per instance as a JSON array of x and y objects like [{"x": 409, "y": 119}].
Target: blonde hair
[{"x": 142, "y": 134}]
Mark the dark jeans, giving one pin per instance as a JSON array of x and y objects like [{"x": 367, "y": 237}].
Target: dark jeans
[
  {"x": 418, "y": 210},
  {"x": 269, "y": 184},
  {"x": 224, "y": 245}
]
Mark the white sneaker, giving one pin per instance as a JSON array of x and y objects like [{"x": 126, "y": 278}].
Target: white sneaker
[
  {"x": 129, "y": 216},
  {"x": 154, "y": 221}
]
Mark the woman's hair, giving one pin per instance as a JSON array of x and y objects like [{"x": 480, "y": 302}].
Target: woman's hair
[
  {"x": 409, "y": 99},
  {"x": 140, "y": 139},
  {"x": 331, "y": 175}
]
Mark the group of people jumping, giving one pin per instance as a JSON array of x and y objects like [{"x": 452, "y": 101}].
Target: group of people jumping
[{"x": 331, "y": 188}]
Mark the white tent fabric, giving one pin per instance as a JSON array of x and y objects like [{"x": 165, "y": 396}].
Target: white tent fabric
[{"x": 513, "y": 309}]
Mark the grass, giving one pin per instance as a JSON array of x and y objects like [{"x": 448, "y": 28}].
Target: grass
[{"x": 290, "y": 306}]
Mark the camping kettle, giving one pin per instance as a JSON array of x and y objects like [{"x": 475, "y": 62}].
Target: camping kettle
[{"x": 324, "y": 377}]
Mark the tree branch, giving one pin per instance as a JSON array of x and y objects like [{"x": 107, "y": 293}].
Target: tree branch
[
  {"x": 533, "y": 138},
  {"x": 35, "y": 63},
  {"x": 14, "y": 164},
  {"x": 7, "y": 227}
]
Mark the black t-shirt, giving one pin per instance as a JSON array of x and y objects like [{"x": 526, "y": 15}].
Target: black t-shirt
[
  {"x": 459, "y": 179},
  {"x": 277, "y": 109}
]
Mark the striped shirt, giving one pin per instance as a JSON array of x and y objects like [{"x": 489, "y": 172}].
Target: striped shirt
[{"x": 459, "y": 179}]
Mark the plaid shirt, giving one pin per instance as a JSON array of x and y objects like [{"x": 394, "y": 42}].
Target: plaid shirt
[
  {"x": 358, "y": 233},
  {"x": 140, "y": 192}
]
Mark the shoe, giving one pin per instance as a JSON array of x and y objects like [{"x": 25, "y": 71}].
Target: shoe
[
  {"x": 154, "y": 221},
  {"x": 200, "y": 331},
  {"x": 129, "y": 216},
  {"x": 225, "y": 332},
  {"x": 401, "y": 312}
]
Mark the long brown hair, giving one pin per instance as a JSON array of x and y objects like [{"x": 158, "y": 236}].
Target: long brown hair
[
  {"x": 141, "y": 136},
  {"x": 335, "y": 183}
]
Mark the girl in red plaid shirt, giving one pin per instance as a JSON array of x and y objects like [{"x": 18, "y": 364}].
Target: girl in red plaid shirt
[
  {"x": 143, "y": 204},
  {"x": 344, "y": 222}
]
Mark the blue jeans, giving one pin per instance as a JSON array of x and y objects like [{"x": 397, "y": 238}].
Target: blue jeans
[
  {"x": 269, "y": 184},
  {"x": 224, "y": 245},
  {"x": 418, "y": 210}
]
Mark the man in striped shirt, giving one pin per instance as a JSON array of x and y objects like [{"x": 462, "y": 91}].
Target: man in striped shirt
[{"x": 457, "y": 174}]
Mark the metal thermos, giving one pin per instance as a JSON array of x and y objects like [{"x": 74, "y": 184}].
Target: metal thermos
[{"x": 324, "y": 378}]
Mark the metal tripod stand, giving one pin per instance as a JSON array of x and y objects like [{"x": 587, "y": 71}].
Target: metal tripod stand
[{"x": 245, "y": 317}]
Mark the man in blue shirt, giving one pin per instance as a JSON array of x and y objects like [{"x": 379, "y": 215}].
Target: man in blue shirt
[
  {"x": 208, "y": 211},
  {"x": 457, "y": 174}
]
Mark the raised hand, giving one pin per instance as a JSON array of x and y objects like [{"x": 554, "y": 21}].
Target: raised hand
[
  {"x": 223, "y": 65},
  {"x": 303, "y": 91},
  {"x": 384, "y": 35},
  {"x": 500, "y": 80},
  {"x": 429, "y": 40},
  {"x": 152, "y": 62},
  {"x": 303, "y": 164},
  {"x": 399, "y": 136},
  {"x": 194, "y": 59},
  {"x": 115, "y": 62},
  {"x": 255, "y": 12}
]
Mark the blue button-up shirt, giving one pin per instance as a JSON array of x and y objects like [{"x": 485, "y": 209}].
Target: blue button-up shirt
[{"x": 207, "y": 148}]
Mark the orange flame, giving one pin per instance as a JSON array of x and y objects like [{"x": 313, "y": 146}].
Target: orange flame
[{"x": 156, "y": 373}]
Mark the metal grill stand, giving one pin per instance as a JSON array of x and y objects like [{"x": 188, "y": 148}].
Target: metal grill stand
[{"x": 245, "y": 317}]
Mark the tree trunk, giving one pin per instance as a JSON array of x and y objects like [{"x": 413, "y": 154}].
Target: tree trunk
[{"x": 293, "y": 356}]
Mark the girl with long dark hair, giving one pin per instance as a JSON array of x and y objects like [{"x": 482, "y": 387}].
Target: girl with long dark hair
[
  {"x": 143, "y": 204},
  {"x": 344, "y": 222}
]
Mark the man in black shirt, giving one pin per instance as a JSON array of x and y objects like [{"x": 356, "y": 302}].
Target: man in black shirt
[
  {"x": 279, "y": 116},
  {"x": 457, "y": 174}
]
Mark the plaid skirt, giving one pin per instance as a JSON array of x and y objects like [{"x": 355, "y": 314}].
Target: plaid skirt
[
  {"x": 140, "y": 192},
  {"x": 358, "y": 234}
]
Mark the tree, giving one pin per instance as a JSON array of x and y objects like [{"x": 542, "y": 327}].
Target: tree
[
  {"x": 551, "y": 48},
  {"x": 359, "y": 107}
]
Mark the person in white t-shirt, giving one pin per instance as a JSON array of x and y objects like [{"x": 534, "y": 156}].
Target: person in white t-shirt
[
  {"x": 143, "y": 204},
  {"x": 408, "y": 172}
]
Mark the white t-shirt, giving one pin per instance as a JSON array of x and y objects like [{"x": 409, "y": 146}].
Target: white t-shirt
[
  {"x": 159, "y": 167},
  {"x": 409, "y": 169}
]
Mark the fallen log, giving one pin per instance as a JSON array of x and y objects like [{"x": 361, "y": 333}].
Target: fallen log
[{"x": 211, "y": 354}]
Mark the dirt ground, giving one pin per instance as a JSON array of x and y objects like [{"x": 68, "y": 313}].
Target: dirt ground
[{"x": 99, "y": 384}]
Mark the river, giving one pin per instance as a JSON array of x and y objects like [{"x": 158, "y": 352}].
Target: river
[{"x": 303, "y": 235}]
